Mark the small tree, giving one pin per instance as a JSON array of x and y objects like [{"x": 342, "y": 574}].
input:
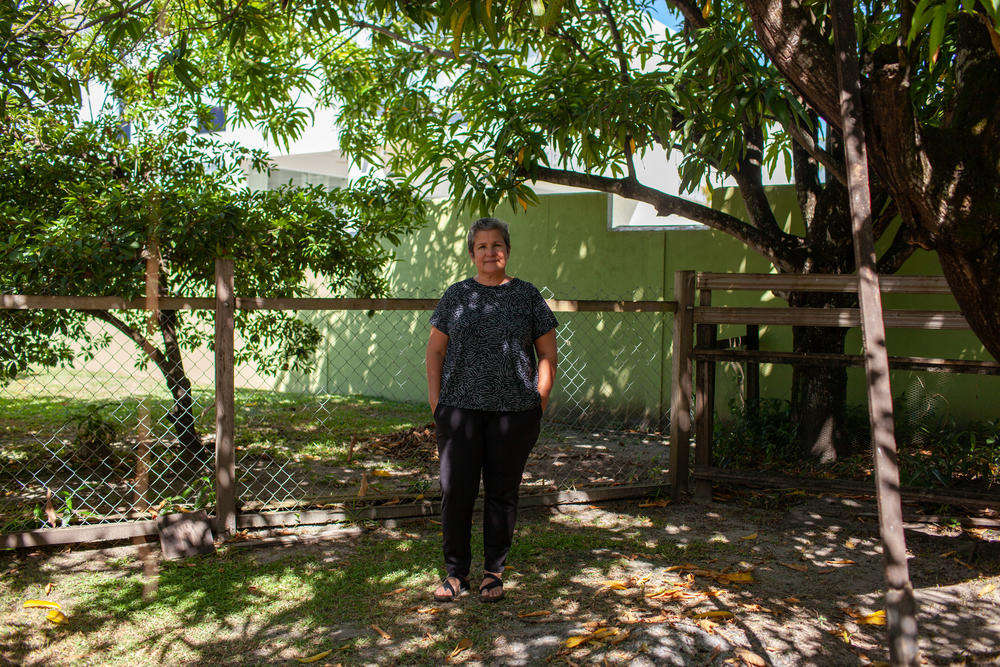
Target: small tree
[{"x": 82, "y": 206}]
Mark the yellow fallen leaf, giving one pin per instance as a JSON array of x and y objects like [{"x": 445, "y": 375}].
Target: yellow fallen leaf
[
  {"x": 987, "y": 589},
  {"x": 385, "y": 635},
  {"x": 874, "y": 618},
  {"x": 718, "y": 613},
  {"x": 751, "y": 536},
  {"x": 601, "y": 633},
  {"x": 48, "y": 588},
  {"x": 655, "y": 503},
  {"x": 797, "y": 567},
  {"x": 573, "y": 642},
  {"x": 841, "y": 561},
  {"x": 850, "y": 543},
  {"x": 381, "y": 473},
  {"x": 613, "y": 586},
  {"x": 47, "y": 604},
  {"x": 401, "y": 589},
  {"x": 315, "y": 658},
  {"x": 463, "y": 645},
  {"x": 56, "y": 616},
  {"x": 533, "y": 614},
  {"x": 735, "y": 578}
]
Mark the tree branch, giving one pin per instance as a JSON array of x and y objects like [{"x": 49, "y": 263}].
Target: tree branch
[
  {"x": 691, "y": 13},
  {"x": 666, "y": 204},
  {"x": 898, "y": 252},
  {"x": 151, "y": 351},
  {"x": 114, "y": 15},
  {"x": 809, "y": 145}
]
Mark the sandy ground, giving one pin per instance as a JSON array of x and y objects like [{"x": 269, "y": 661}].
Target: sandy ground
[{"x": 786, "y": 579}]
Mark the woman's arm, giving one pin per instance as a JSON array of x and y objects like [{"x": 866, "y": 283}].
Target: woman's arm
[
  {"x": 545, "y": 348},
  {"x": 437, "y": 345}
]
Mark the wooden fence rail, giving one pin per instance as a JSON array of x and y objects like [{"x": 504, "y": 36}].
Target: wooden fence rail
[
  {"x": 227, "y": 516},
  {"x": 697, "y": 360}
]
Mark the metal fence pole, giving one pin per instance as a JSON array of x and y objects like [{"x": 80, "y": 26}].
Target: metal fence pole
[{"x": 225, "y": 409}]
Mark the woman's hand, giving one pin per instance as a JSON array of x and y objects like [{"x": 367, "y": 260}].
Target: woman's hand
[{"x": 545, "y": 348}]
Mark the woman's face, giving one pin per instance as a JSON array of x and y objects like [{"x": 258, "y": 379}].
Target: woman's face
[{"x": 489, "y": 252}]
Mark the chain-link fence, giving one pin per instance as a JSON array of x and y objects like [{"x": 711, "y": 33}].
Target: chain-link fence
[{"x": 115, "y": 436}]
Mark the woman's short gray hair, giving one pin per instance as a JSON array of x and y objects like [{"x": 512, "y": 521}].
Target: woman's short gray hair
[{"x": 486, "y": 224}]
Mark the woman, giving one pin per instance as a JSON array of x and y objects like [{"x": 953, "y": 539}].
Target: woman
[{"x": 487, "y": 394}]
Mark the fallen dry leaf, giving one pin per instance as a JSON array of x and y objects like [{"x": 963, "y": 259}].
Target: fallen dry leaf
[
  {"x": 796, "y": 566},
  {"x": 613, "y": 586},
  {"x": 874, "y": 618},
  {"x": 791, "y": 600},
  {"x": 48, "y": 588},
  {"x": 401, "y": 589},
  {"x": 735, "y": 578},
  {"x": 749, "y": 657},
  {"x": 363, "y": 491},
  {"x": 56, "y": 616},
  {"x": 718, "y": 613},
  {"x": 751, "y": 536},
  {"x": 315, "y": 658},
  {"x": 707, "y": 625},
  {"x": 655, "y": 503},
  {"x": 963, "y": 564},
  {"x": 381, "y": 473},
  {"x": 948, "y": 553},
  {"x": 986, "y": 590},
  {"x": 533, "y": 614},
  {"x": 50, "y": 510},
  {"x": 47, "y": 604},
  {"x": 463, "y": 645},
  {"x": 851, "y": 543},
  {"x": 428, "y": 610},
  {"x": 841, "y": 561},
  {"x": 385, "y": 635}
]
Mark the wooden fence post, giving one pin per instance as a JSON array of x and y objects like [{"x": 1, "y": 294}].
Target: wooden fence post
[
  {"x": 680, "y": 383},
  {"x": 225, "y": 451},
  {"x": 752, "y": 372},
  {"x": 901, "y": 607},
  {"x": 704, "y": 404}
]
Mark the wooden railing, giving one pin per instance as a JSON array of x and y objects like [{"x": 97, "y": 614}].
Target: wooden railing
[{"x": 696, "y": 347}]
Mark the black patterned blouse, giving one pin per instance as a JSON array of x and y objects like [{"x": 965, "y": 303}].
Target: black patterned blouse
[{"x": 490, "y": 361}]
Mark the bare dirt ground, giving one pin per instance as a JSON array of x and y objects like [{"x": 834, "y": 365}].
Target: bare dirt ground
[{"x": 779, "y": 578}]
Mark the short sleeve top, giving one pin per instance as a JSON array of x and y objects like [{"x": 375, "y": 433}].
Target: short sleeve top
[{"x": 490, "y": 360}]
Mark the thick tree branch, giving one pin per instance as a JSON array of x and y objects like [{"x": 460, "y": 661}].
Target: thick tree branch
[
  {"x": 898, "y": 252},
  {"x": 666, "y": 204},
  {"x": 788, "y": 34},
  {"x": 150, "y": 350},
  {"x": 809, "y": 145},
  {"x": 691, "y": 13}
]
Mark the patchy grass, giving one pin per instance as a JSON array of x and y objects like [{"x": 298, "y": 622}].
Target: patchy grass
[{"x": 572, "y": 570}]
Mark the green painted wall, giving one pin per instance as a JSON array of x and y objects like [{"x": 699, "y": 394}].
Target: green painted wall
[{"x": 614, "y": 363}]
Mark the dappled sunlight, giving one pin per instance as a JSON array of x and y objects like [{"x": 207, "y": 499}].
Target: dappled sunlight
[{"x": 672, "y": 584}]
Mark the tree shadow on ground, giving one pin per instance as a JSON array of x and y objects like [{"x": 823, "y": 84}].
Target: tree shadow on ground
[{"x": 630, "y": 579}]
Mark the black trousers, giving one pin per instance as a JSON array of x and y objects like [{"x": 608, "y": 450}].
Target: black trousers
[{"x": 495, "y": 447}]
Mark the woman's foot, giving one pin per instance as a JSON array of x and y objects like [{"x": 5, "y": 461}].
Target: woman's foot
[
  {"x": 491, "y": 590},
  {"x": 451, "y": 588}
]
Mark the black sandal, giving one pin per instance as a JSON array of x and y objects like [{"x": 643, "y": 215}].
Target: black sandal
[
  {"x": 463, "y": 588},
  {"x": 494, "y": 582}
]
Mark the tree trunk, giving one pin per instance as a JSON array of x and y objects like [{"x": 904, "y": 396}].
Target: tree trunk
[
  {"x": 181, "y": 414},
  {"x": 819, "y": 395}
]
